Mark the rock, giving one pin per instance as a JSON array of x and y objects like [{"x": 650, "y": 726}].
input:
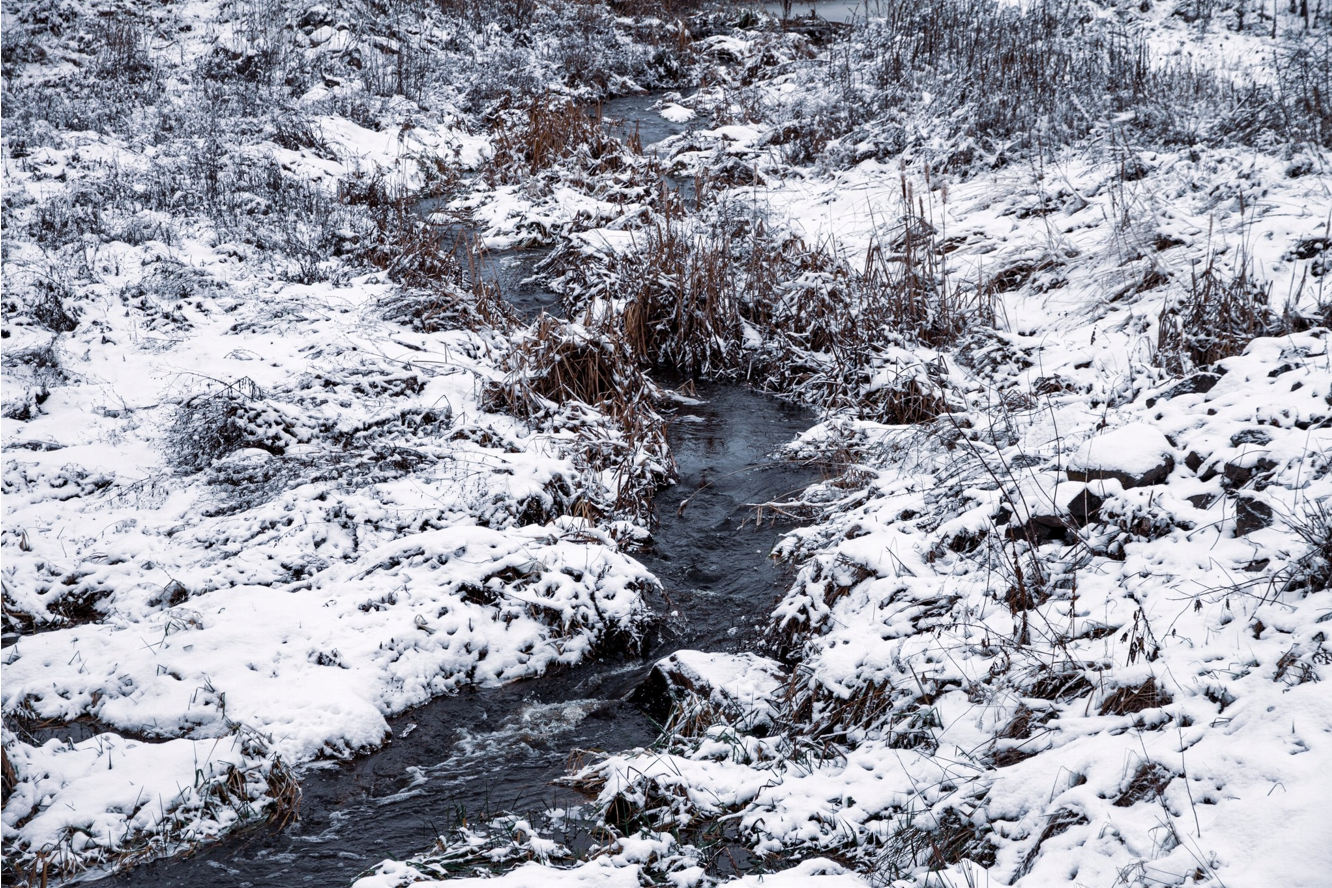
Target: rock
[
  {"x": 1085, "y": 507},
  {"x": 1194, "y": 460},
  {"x": 315, "y": 16},
  {"x": 653, "y": 696},
  {"x": 1256, "y": 437},
  {"x": 1239, "y": 472},
  {"x": 1198, "y": 383},
  {"x": 321, "y": 35},
  {"x": 1068, "y": 505},
  {"x": 1251, "y": 514},
  {"x": 1135, "y": 455}
]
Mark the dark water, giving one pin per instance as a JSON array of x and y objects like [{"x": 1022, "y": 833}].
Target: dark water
[
  {"x": 636, "y": 115},
  {"x": 494, "y": 750}
]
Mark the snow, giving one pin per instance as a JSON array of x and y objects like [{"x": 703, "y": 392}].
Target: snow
[
  {"x": 677, "y": 113},
  {"x": 598, "y": 874}
]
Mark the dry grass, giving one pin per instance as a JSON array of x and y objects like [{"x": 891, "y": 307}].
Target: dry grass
[
  {"x": 1006, "y": 80},
  {"x": 564, "y": 377},
  {"x": 686, "y": 312},
  {"x": 949, "y": 840},
  {"x": 555, "y": 363},
  {"x": 907, "y": 287},
  {"x": 1129, "y": 700},
  {"x": 1313, "y": 569},
  {"x": 1220, "y": 316},
  {"x": 549, "y": 131}
]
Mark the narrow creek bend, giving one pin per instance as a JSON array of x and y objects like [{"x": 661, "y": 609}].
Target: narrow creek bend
[
  {"x": 493, "y": 750},
  {"x": 497, "y": 749}
]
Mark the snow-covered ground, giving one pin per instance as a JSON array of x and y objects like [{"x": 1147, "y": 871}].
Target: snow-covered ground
[{"x": 260, "y": 492}]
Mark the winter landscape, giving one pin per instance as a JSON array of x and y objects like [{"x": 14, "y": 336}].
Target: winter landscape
[{"x": 647, "y": 442}]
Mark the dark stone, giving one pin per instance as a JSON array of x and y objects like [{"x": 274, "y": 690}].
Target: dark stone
[
  {"x": 1238, "y": 475},
  {"x": 653, "y": 696},
  {"x": 1155, "y": 475},
  {"x": 1310, "y": 248},
  {"x": 1040, "y": 529},
  {"x": 1194, "y": 460},
  {"x": 1257, "y": 437},
  {"x": 1202, "y": 500},
  {"x": 1251, "y": 514},
  {"x": 1197, "y": 384},
  {"x": 1085, "y": 507}
]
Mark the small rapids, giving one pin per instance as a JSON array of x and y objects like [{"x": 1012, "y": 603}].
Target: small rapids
[{"x": 488, "y": 751}]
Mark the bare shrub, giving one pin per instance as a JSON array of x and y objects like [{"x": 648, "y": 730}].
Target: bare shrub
[
  {"x": 122, "y": 52},
  {"x": 65, "y": 218},
  {"x": 908, "y": 290},
  {"x": 298, "y": 133},
  {"x": 41, "y": 363},
  {"x": 407, "y": 248},
  {"x": 509, "y": 15},
  {"x": 48, "y": 308},
  {"x": 1313, "y": 525},
  {"x": 232, "y": 417},
  {"x": 403, "y": 70}
]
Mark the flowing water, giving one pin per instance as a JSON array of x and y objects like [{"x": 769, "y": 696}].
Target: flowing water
[
  {"x": 497, "y": 749},
  {"x": 836, "y": 11}
]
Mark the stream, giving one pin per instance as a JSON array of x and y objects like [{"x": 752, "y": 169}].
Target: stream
[{"x": 487, "y": 751}]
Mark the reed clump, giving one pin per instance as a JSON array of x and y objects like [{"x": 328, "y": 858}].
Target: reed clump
[
  {"x": 564, "y": 377},
  {"x": 549, "y": 131},
  {"x": 1219, "y": 317}
]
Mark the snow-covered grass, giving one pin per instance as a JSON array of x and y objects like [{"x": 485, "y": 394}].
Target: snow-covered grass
[{"x": 1065, "y": 625}]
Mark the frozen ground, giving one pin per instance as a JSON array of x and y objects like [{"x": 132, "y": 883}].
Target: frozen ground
[{"x": 273, "y": 470}]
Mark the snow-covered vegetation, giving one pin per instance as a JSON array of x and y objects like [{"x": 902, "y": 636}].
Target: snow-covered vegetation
[{"x": 281, "y": 462}]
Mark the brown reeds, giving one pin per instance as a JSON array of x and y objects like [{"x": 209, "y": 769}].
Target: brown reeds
[
  {"x": 548, "y": 131},
  {"x": 559, "y": 372},
  {"x": 686, "y": 312},
  {"x": 1218, "y": 318}
]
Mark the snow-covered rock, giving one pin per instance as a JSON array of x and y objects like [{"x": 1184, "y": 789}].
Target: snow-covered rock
[{"x": 1135, "y": 455}]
